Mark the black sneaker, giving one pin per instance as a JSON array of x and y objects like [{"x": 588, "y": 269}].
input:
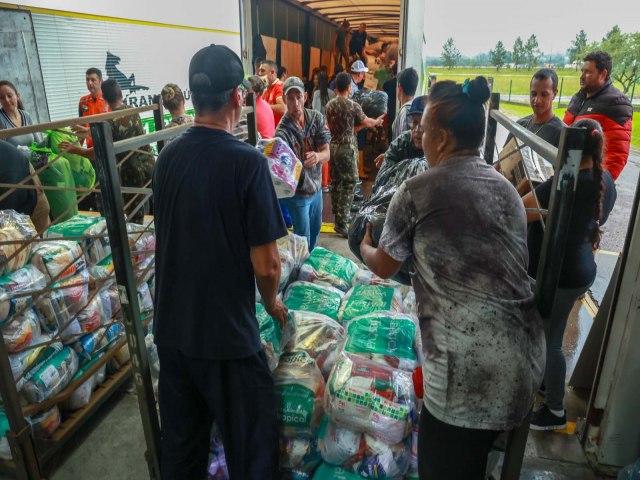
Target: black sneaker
[
  {"x": 543, "y": 419},
  {"x": 341, "y": 230}
]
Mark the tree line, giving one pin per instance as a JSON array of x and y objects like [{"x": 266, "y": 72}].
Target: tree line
[{"x": 624, "y": 49}]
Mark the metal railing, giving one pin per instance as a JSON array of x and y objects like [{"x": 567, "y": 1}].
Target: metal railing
[
  {"x": 132, "y": 268},
  {"x": 566, "y": 162}
]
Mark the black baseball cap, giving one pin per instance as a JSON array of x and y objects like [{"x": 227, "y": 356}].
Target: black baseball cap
[
  {"x": 216, "y": 69},
  {"x": 417, "y": 106}
]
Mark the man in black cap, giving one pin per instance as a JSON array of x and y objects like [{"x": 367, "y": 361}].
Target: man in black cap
[
  {"x": 408, "y": 144},
  {"x": 306, "y": 132},
  {"x": 217, "y": 218}
]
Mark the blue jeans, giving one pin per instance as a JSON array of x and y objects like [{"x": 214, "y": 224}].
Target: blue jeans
[
  {"x": 306, "y": 214},
  {"x": 556, "y": 369}
]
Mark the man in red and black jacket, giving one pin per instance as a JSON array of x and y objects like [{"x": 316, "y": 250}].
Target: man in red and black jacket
[{"x": 600, "y": 100}]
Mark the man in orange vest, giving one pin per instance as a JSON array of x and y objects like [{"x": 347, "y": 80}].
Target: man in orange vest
[{"x": 93, "y": 103}]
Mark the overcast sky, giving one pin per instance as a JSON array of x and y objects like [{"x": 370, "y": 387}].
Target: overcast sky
[{"x": 476, "y": 26}]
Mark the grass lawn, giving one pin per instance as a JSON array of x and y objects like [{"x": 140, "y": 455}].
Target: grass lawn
[
  {"x": 517, "y": 81},
  {"x": 519, "y": 111}
]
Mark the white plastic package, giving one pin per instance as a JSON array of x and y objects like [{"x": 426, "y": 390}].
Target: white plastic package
[
  {"x": 58, "y": 259},
  {"x": 370, "y": 398}
]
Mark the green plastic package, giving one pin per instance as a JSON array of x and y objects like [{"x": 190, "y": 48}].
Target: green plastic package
[
  {"x": 58, "y": 174},
  {"x": 386, "y": 337},
  {"x": 83, "y": 172},
  {"x": 366, "y": 299},
  {"x": 270, "y": 335},
  {"x": 329, "y": 472},
  {"x": 324, "y": 266},
  {"x": 311, "y": 297}
]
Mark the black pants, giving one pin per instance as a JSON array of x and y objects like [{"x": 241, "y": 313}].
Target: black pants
[
  {"x": 446, "y": 452},
  {"x": 238, "y": 395}
]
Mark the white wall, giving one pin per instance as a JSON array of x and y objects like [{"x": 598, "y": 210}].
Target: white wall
[{"x": 216, "y": 14}]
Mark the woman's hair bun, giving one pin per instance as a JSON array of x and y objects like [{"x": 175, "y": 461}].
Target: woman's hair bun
[
  {"x": 478, "y": 90},
  {"x": 169, "y": 92}
]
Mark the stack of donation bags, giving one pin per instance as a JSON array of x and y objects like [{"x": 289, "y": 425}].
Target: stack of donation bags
[
  {"x": 342, "y": 369},
  {"x": 60, "y": 311}
]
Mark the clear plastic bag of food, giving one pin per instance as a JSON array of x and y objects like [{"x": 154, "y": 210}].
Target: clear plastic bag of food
[
  {"x": 76, "y": 291},
  {"x": 92, "y": 316},
  {"x": 45, "y": 354},
  {"x": 387, "y": 338},
  {"x": 97, "y": 341},
  {"x": 103, "y": 269},
  {"x": 411, "y": 303},
  {"x": 82, "y": 395},
  {"x": 52, "y": 377},
  {"x": 299, "y": 456},
  {"x": 371, "y": 398},
  {"x": 25, "y": 358},
  {"x": 327, "y": 267},
  {"x": 286, "y": 268},
  {"x": 144, "y": 298},
  {"x": 299, "y": 388},
  {"x": 16, "y": 227},
  {"x": 384, "y": 461},
  {"x": 58, "y": 259},
  {"x": 85, "y": 226},
  {"x": 298, "y": 247},
  {"x": 366, "y": 299},
  {"x": 23, "y": 281},
  {"x": 340, "y": 445},
  {"x": 270, "y": 336},
  {"x": 284, "y": 166},
  {"x": 142, "y": 242},
  {"x": 43, "y": 424},
  {"x": 318, "y": 335},
  {"x": 312, "y": 297},
  {"x": 21, "y": 330}
]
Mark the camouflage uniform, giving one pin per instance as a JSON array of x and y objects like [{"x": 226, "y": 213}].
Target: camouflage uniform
[
  {"x": 137, "y": 170},
  {"x": 400, "y": 149},
  {"x": 342, "y": 113}
]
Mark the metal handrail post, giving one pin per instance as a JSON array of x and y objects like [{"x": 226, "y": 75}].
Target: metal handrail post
[
  {"x": 19, "y": 437},
  {"x": 158, "y": 119},
  {"x": 492, "y": 129},
  {"x": 113, "y": 211},
  {"x": 252, "y": 125},
  {"x": 560, "y": 207},
  {"x": 563, "y": 191}
]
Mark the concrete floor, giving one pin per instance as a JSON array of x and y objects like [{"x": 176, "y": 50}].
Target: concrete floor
[{"x": 111, "y": 445}]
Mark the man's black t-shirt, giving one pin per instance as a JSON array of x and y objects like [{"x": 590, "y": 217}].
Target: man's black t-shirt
[
  {"x": 214, "y": 200},
  {"x": 14, "y": 167},
  {"x": 579, "y": 266}
]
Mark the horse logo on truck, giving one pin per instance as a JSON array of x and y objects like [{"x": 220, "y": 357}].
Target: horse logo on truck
[{"x": 126, "y": 83}]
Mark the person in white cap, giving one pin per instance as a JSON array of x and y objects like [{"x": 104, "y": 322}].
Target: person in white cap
[{"x": 358, "y": 69}]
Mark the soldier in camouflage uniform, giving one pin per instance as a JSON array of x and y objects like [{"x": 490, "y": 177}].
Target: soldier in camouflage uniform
[
  {"x": 137, "y": 170},
  {"x": 342, "y": 115}
]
